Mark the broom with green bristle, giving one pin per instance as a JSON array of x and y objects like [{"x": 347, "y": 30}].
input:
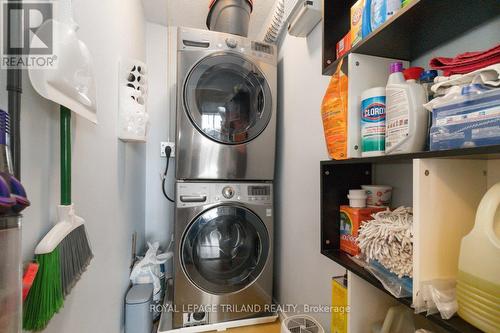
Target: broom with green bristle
[{"x": 63, "y": 254}]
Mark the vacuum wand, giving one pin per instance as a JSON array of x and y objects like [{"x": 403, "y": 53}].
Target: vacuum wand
[{"x": 14, "y": 88}]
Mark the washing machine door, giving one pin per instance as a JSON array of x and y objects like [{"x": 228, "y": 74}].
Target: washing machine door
[
  {"x": 225, "y": 249},
  {"x": 227, "y": 98}
]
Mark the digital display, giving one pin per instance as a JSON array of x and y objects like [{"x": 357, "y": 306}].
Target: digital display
[
  {"x": 259, "y": 190},
  {"x": 262, "y": 48}
]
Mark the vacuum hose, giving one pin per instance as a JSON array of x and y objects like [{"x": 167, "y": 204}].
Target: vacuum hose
[{"x": 14, "y": 89}]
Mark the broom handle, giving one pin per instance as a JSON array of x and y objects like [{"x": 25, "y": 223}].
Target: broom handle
[{"x": 65, "y": 155}]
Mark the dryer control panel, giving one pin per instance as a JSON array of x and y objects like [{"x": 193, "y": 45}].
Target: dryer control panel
[
  {"x": 200, "y": 194},
  {"x": 191, "y": 39}
]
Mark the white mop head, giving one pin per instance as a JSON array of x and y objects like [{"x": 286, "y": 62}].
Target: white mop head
[{"x": 389, "y": 239}]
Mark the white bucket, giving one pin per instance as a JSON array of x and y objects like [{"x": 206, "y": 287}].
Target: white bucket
[
  {"x": 357, "y": 198},
  {"x": 378, "y": 195}
]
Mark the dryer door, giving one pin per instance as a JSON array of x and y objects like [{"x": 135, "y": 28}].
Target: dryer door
[
  {"x": 225, "y": 249},
  {"x": 227, "y": 98}
]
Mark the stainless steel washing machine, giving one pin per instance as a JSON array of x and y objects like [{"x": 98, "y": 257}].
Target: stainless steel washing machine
[
  {"x": 226, "y": 107},
  {"x": 224, "y": 252}
]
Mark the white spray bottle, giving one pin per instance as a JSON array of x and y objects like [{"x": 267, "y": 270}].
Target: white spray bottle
[{"x": 406, "y": 118}]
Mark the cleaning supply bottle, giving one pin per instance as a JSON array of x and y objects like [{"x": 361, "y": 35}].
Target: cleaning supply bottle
[
  {"x": 373, "y": 122},
  {"x": 366, "y": 27},
  {"x": 427, "y": 80},
  {"x": 334, "y": 114},
  {"x": 406, "y": 118},
  {"x": 391, "y": 7},
  {"x": 413, "y": 73},
  {"x": 478, "y": 282},
  {"x": 376, "y": 12},
  {"x": 405, "y": 3}
]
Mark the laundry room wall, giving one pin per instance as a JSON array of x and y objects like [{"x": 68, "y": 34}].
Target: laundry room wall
[
  {"x": 159, "y": 211},
  {"x": 108, "y": 175},
  {"x": 302, "y": 273},
  {"x": 482, "y": 37}
]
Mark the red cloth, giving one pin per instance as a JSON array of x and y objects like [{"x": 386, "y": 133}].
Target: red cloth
[{"x": 466, "y": 62}]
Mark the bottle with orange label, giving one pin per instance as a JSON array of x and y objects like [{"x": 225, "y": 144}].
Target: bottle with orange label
[{"x": 334, "y": 115}]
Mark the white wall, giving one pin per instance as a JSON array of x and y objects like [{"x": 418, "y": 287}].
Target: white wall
[
  {"x": 480, "y": 38},
  {"x": 108, "y": 175},
  {"x": 302, "y": 273},
  {"x": 159, "y": 211}
]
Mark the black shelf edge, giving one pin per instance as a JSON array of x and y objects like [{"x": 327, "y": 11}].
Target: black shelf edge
[
  {"x": 486, "y": 153},
  {"x": 454, "y": 324},
  {"x": 405, "y": 36}
]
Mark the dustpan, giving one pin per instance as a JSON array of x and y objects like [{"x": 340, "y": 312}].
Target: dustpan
[{"x": 71, "y": 82}]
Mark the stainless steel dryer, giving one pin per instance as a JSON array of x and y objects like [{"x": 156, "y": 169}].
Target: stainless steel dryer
[
  {"x": 226, "y": 107},
  {"x": 224, "y": 253}
]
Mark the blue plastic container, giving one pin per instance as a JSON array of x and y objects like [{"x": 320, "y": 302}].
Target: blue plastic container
[{"x": 470, "y": 121}]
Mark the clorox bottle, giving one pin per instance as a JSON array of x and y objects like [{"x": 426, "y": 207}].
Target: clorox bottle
[
  {"x": 373, "y": 122},
  {"x": 478, "y": 282}
]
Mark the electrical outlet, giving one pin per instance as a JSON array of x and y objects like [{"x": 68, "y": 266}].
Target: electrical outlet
[{"x": 163, "y": 145}]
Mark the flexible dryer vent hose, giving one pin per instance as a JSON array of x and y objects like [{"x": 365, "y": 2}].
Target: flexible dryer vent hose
[{"x": 277, "y": 22}]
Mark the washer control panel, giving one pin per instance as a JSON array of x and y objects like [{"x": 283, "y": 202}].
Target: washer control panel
[
  {"x": 259, "y": 192},
  {"x": 200, "y": 194}
]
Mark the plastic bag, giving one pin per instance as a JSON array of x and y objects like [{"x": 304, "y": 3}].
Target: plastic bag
[
  {"x": 147, "y": 270},
  {"x": 399, "y": 319},
  {"x": 398, "y": 287},
  {"x": 334, "y": 115},
  {"x": 437, "y": 296}
]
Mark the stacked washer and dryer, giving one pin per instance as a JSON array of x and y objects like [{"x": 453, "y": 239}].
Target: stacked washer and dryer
[{"x": 225, "y": 146}]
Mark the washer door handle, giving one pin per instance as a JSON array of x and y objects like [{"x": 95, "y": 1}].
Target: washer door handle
[{"x": 193, "y": 198}]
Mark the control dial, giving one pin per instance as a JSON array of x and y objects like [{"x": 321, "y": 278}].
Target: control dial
[
  {"x": 228, "y": 192},
  {"x": 198, "y": 316},
  {"x": 232, "y": 43}
]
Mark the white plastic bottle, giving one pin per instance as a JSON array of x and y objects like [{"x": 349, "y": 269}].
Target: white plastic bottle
[
  {"x": 478, "y": 281},
  {"x": 392, "y": 7},
  {"x": 406, "y": 118}
]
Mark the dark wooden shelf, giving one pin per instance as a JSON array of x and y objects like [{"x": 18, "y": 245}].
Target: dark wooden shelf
[
  {"x": 455, "y": 324},
  {"x": 486, "y": 152},
  {"x": 417, "y": 28}
]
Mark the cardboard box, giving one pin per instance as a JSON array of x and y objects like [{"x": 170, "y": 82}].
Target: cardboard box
[
  {"x": 344, "y": 45},
  {"x": 350, "y": 221},
  {"x": 357, "y": 21}
]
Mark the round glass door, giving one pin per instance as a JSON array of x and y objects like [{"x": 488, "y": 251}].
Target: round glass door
[
  {"x": 228, "y": 99},
  {"x": 225, "y": 249}
]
